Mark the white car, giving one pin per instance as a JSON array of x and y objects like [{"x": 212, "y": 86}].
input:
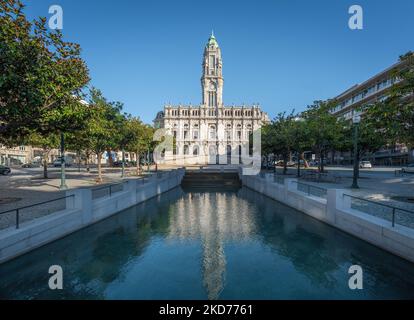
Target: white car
[
  {"x": 365, "y": 165},
  {"x": 408, "y": 168}
]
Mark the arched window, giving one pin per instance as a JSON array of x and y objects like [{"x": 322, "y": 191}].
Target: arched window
[
  {"x": 228, "y": 154},
  {"x": 186, "y": 150},
  {"x": 195, "y": 150},
  {"x": 185, "y": 131},
  {"x": 228, "y": 131}
]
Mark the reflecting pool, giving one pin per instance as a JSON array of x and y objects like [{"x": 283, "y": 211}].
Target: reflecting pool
[{"x": 208, "y": 244}]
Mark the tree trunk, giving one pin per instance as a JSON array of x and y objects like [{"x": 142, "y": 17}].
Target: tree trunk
[
  {"x": 322, "y": 166},
  {"x": 79, "y": 161},
  {"x": 285, "y": 164},
  {"x": 298, "y": 168},
  {"x": 87, "y": 163},
  {"x": 302, "y": 157},
  {"x": 138, "y": 164},
  {"x": 87, "y": 155},
  {"x": 110, "y": 160},
  {"x": 45, "y": 158},
  {"x": 99, "y": 155}
]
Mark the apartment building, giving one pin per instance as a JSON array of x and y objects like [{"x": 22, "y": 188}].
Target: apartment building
[{"x": 356, "y": 100}]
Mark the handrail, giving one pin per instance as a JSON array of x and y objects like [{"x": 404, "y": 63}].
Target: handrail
[
  {"x": 17, "y": 210},
  {"x": 108, "y": 186},
  {"x": 381, "y": 204},
  {"x": 310, "y": 186}
]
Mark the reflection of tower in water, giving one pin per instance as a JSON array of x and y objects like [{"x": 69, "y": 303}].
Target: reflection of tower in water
[{"x": 214, "y": 218}]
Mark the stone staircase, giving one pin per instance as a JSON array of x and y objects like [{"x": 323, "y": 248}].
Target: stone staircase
[{"x": 200, "y": 179}]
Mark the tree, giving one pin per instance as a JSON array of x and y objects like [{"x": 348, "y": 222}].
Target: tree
[
  {"x": 41, "y": 77},
  {"x": 301, "y": 140},
  {"x": 394, "y": 116},
  {"x": 135, "y": 131},
  {"x": 278, "y": 136},
  {"x": 370, "y": 139},
  {"x": 325, "y": 130},
  {"x": 117, "y": 122},
  {"x": 79, "y": 142},
  {"x": 47, "y": 143},
  {"x": 148, "y": 143},
  {"x": 101, "y": 130}
]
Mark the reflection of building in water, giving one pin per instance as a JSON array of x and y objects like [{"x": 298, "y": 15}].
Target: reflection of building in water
[{"x": 213, "y": 218}]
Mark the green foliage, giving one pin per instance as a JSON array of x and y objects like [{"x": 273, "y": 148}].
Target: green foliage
[
  {"x": 315, "y": 129},
  {"x": 102, "y": 127},
  {"x": 370, "y": 139},
  {"x": 41, "y": 77},
  {"x": 277, "y": 137},
  {"x": 394, "y": 116},
  {"x": 46, "y": 143},
  {"x": 325, "y": 131}
]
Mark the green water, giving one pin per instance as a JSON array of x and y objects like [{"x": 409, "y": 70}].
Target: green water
[{"x": 208, "y": 245}]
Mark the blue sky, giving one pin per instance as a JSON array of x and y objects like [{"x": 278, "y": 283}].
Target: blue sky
[{"x": 282, "y": 54}]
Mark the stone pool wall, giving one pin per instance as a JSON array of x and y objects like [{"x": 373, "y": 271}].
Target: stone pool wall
[
  {"x": 335, "y": 209},
  {"x": 81, "y": 211}
]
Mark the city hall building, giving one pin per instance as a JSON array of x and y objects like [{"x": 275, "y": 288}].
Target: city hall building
[{"x": 210, "y": 133}]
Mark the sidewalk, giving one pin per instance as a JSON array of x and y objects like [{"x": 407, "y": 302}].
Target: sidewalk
[{"x": 25, "y": 188}]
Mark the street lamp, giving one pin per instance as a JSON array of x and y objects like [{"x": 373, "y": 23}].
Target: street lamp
[
  {"x": 298, "y": 120},
  {"x": 123, "y": 164},
  {"x": 356, "y": 119},
  {"x": 63, "y": 185}
]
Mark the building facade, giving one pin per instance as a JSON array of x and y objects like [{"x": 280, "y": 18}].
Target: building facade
[
  {"x": 210, "y": 133},
  {"x": 24, "y": 154},
  {"x": 355, "y": 100}
]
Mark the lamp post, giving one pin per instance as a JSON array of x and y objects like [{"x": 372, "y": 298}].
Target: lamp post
[
  {"x": 63, "y": 185},
  {"x": 123, "y": 164},
  {"x": 148, "y": 160},
  {"x": 298, "y": 120},
  {"x": 355, "y": 121}
]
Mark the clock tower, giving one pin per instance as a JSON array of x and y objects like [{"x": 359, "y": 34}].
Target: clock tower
[{"x": 212, "y": 78}]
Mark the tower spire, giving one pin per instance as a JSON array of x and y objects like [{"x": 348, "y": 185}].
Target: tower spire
[{"x": 212, "y": 78}]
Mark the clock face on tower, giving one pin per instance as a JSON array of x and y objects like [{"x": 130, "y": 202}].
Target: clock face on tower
[{"x": 212, "y": 86}]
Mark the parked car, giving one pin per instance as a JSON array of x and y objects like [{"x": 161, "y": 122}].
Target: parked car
[
  {"x": 280, "y": 163},
  {"x": 313, "y": 163},
  {"x": 291, "y": 164},
  {"x": 119, "y": 164},
  {"x": 32, "y": 165},
  {"x": 408, "y": 168},
  {"x": 58, "y": 163},
  {"x": 365, "y": 165},
  {"x": 4, "y": 170}
]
